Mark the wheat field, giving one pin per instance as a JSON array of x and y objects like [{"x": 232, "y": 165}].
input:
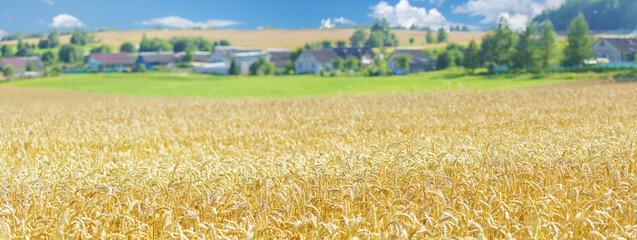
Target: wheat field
[{"x": 539, "y": 163}]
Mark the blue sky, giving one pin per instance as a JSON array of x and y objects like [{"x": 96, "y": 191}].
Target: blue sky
[{"x": 42, "y": 15}]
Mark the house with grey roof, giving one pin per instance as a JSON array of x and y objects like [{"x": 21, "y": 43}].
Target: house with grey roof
[
  {"x": 279, "y": 57},
  {"x": 312, "y": 61},
  {"x": 616, "y": 50},
  {"x": 151, "y": 59},
  {"x": 364, "y": 54},
  {"x": 222, "y": 56},
  {"x": 420, "y": 61}
]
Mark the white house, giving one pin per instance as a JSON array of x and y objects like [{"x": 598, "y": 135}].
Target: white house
[
  {"x": 616, "y": 49},
  {"x": 312, "y": 61},
  {"x": 245, "y": 59},
  {"x": 222, "y": 56}
]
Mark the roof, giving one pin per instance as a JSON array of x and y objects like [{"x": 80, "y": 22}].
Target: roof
[
  {"x": 113, "y": 58},
  {"x": 357, "y": 52},
  {"x": 323, "y": 55},
  {"x": 227, "y": 51},
  {"x": 622, "y": 44},
  {"x": 279, "y": 56},
  {"x": 22, "y": 62},
  {"x": 417, "y": 55},
  {"x": 16, "y": 62},
  {"x": 158, "y": 57}
]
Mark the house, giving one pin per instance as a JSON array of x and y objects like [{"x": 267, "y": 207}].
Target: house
[
  {"x": 218, "y": 68},
  {"x": 200, "y": 56},
  {"x": 109, "y": 62},
  {"x": 364, "y": 54},
  {"x": 420, "y": 61},
  {"x": 243, "y": 57},
  {"x": 279, "y": 57},
  {"x": 312, "y": 61},
  {"x": 20, "y": 65},
  {"x": 151, "y": 59},
  {"x": 616, "y": 50},
  {"x": 224, "y": 53}
]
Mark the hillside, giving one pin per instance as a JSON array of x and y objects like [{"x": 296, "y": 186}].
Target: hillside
[
  {"x": 601, "y": 15},
  {"x": 261, "y": 38}
]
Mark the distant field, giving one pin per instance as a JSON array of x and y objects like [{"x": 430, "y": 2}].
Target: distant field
[
  {"x": 263, "y": 38},
  {"x": 183, "y": 84}
]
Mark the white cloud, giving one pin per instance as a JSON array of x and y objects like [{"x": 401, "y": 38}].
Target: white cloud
[
  {"x": 403, "y": 14},
  {"x": 331, "y": 22},
  {"x": 48, "y": 1},
  {"x": 179, "y": 22},
  {"x": 517, "y": 12},
  {"x": 2, "y": 33},
  {"x": 66, "y": 21}
]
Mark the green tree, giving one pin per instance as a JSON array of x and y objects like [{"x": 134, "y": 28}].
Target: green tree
[
  {"x": 471, "y": 57},
  {"x": 341, "y": 43},
  {"x": 579, "y": 43},
  {"x": 8, "y": 71},
  {"x": 445, "y": 60},
  {"x": 154, "y": 45},
  {"x": 43, "y": 44},
  {"x": 338, "y": 63},
  {"x": 403, "y": 61},
  {"x": 31, "y": 67},
  {"x": 8, "y": 51},
  {"x": 79, "y": 37},
  {"x": 465, "y": 28},
  {"x": 443, "y": 36},
  {"x": 547, "y": 45},
  {"x": 411, "y": 40},
  {"x": 430, "y": 37},
  {"x": 375, "y": 40},
  {"x": 326, "y": 43},
  {"x": 234, "y": 69},
  {"x": 48, "y": 57},
  {"x": 294, "y": 55},
  {"x": 54, "y": 39},
  {"x": 188, "y": 57},
  {"x": 497, "y": 46},
  {"x": 102, "y": 49},
  {"x": 358, "y": 39},
  {"x": 127, "y": 47},
  {"x": 352, "y": 63},
  {"x": 70, "y": 53},
  {"x": 289, "y": 67},
  {"x": 526, "y": 56}
]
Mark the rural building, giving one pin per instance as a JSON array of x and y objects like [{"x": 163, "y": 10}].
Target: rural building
[
  {"x": 420, "y": 61},
  {"x": 222, "y": 56},
  {"x": 151, "y": 59},
  {"x": 200, "y": 56},
  {"x": 109, "y": 62},
  {"x": 279, "y": 57},
  {"x": 312, "y": 61},
  {"x": 616, "y": 50},
  {"x": 20, "y": 65},
  {"x": 364, "y": 54}
]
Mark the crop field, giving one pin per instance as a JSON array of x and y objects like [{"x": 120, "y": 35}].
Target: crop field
[
  {"x": 261, "y": 38},
  {"x": 547, "y": 162}
]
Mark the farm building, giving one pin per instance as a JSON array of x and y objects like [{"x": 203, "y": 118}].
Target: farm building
[
  {"x": 222, "y": 57},
  {"x": 279, "y": 57},
  {"x": 420, "y": 61},
  {"x": 151, "y": 59},
  {"x": 616, "y": 50},
  {"x": 200, "y": 56},
  {"x": 20, "y": 65},
  {"x": 364, "y": 54},
  {"x": 109, "y": 62},
  {"x": 312, "y": 61}
]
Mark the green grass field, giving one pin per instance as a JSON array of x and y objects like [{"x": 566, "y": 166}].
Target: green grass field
[{"x": 189, "y": 84}]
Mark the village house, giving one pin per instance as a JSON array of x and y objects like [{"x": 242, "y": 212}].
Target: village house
[
  {"x": 364, "y": 54},
  {"x": 222, "y": 56},
  {"x": 151, "y": 59},
  {"x": 110, "y": 62},
  {"x": 420, "y": 61},
  {"x": 616, "y": 50},
  {"x": 312, "y": 61},
  {"x": 279, "y": 57},
  {"x": 21, "y": 64}
]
